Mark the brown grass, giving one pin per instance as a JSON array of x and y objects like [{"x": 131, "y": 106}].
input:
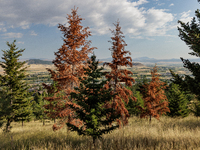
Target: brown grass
[
  {"x": 166, "y": 134},
  {"x": 35, "y": 68}
]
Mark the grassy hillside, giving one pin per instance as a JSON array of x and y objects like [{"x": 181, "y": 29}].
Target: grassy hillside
[{"x": 166, "y": 134}]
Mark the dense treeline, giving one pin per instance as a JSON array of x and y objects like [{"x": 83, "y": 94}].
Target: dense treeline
[{"x": 89, "y": 100}]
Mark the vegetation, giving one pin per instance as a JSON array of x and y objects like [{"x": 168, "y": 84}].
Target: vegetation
[
  {"x": 69, "y": 62},
  {"x": 133, "y": 104},
  {"x": 37, "y": 105},
  {"x": 189, "y": 33},
  {"x": 15, "y": 100},
  {"x": 178, "y": 102},
  {"x": 155, "y": 100},
  {"x": 168, "y": 133},
  {"x": 118, "y": 75},
  {"x": 94, "y": 101},
  {"x": 90, "y": 101}
]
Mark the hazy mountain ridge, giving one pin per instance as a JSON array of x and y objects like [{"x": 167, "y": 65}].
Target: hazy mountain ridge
[
  {"x": 39, "y": 61},
  {"x": 44, "y": 62},
  {"x": 153, "y": 60},
  {"x": 136, "y": 61}
]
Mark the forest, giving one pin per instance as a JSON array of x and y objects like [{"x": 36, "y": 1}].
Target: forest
[{"x": 82, "y": 103}]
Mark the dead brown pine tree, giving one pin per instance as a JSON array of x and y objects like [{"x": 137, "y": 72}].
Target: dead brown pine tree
[
  {"x": 155, "y": 100},
  {"x": 69, "y": 62},
  {"x": 118, "y": 75}
]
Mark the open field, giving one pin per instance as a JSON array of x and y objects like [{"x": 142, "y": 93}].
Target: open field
[
  {"x": 35, "y": 68},
  {"x": 137, "y": 70},
  {"x": 166, "y": 134}
]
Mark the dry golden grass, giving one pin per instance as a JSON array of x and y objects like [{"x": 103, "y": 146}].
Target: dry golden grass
[
  {"x": 35, "y": 68},
  {"x": 166, "y": 134}
]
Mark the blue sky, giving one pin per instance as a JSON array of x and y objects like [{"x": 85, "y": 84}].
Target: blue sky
[{"x": 149, "y": 26}]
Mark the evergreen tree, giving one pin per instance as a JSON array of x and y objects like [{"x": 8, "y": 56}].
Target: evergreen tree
[
  {"x": 132, "y": 105},
  {"x": 137, "y": 89},
  {"x": 118, "y": 75},
  {"x": 15, "y": 100},
  {"x": 90, "y": 99},
  {"x": 38, "y": 109},
  {"x": 142, "y": 86},
  {"x": 155, "y": 100},
  {"x": 190, "y": 34},
  {"x": 69, "y": 62},
  {"x": 195, "y": 108},
  {"x": 178, "y": 103}
]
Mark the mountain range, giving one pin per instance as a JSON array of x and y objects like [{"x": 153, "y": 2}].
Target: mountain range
[
  {"x": 139, "y": 60},
  {"x": 146, "y": 60}
]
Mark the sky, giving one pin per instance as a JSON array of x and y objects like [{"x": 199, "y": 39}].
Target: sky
[{"x": 149, "y": 26}]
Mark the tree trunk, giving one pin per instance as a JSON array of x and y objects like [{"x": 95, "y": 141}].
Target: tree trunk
[
  {"x": 43, "y": 117},
  {"x": 43, "y": 122},
  {"x": 72, "y": 83},
  {"x": 22, "y": 123},
  {"x": 150, "y": 119},
  {"x": 8, "y": 125},
  {"x": 115, "y": 84},
  {"x": 94, "y": 140}
]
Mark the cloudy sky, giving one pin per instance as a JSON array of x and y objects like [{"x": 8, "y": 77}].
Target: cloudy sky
[{"x": 149, "y": 26}]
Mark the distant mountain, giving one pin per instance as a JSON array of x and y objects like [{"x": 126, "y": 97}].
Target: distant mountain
[
  {"x": 106, "y": 59},
  {"x": 137, "y": 64},
  {"x": 39, "y": 61},
  {"x": 153, "y": 60},
  {"x": 144, "y": 58},
  {"x": 136, "y": 61},
  {"x": 139, "y": 59},
  {"x": 134, "y": 64}
]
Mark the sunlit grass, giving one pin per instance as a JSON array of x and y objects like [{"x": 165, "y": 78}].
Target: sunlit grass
[{"x": 168, "y": 133}]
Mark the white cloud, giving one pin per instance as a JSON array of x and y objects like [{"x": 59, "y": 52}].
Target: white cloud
[
  {"x": 99, "y": 15},
  {"x": 20, "y": 42},
  {"x": 33, "y": 33},
  {"x": 12, "y": 35},
  {"x": 140, "y": 2},
  {"x": 24, "y": 25},
  {"x": 185, "y": 16},
  {"x": 160, "y": 4},
  {"x": 142, "y": 37},
  {"x": 157, "y": 22},
  {"x": 171, "y": 5},
  {"x": 3, "y": 29}
]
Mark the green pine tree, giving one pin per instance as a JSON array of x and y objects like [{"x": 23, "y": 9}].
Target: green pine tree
[
  {"x": 190, "y": 34},
  {"x": 132, "y": 105},
  {"x": 137, "y": 89},
  {"x": 178, "y": 102},
  {"x": 15, "y": 100},
  {"x": 89, "y": 104},
  {"x": 37, "y": 105},
  {"x": 195, "y": 108}
]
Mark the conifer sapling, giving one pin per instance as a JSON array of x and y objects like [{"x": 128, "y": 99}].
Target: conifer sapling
[
  {"x": 69, "y": 62},
  {"x": 90, "y": 99},
  {"x": 155, "y": 100},
  {"x": 118, "y": 75},
  {"x": 14, "y": 100}
]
